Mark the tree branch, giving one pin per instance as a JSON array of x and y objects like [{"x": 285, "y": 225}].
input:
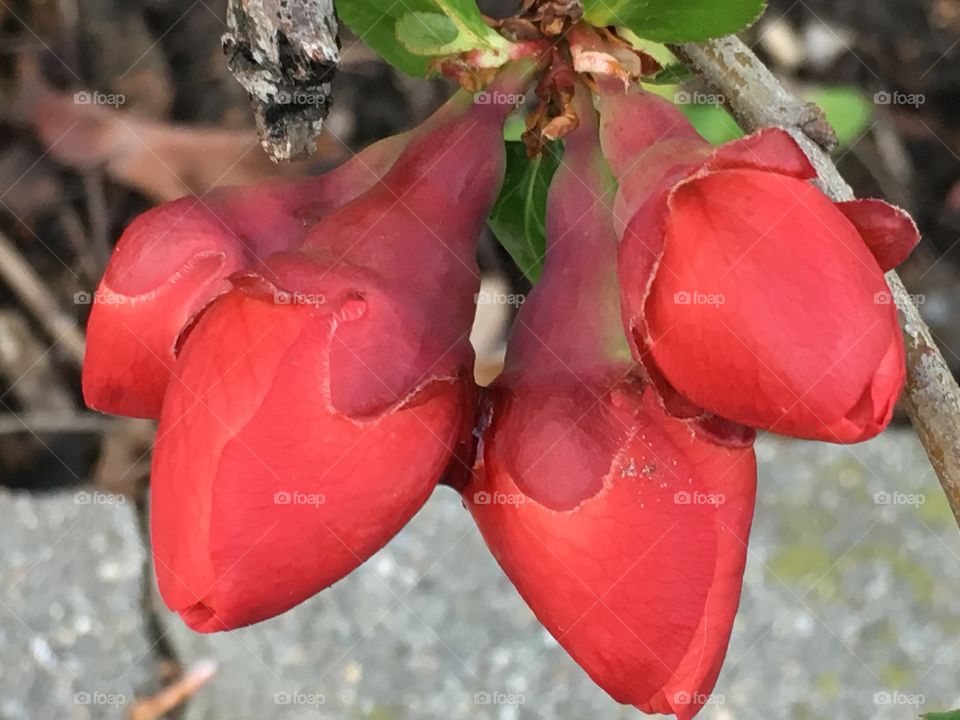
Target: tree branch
[
  {"x": 284, "y": 53},
  {"x": 757, "y": 99}
]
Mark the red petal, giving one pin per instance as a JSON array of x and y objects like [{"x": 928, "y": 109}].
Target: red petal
[
  {"x": 640, "y": 581},
  {"x": 169, "y": 263},
  {"x": 262, "y": 494},
  {"x": 771, "y": 149},
  {"x": 769, "y": 310},
  {"x": 889, "y": 232},
  {"x": 640, "y": 251}
]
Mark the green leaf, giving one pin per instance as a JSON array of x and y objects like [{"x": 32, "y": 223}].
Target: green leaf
[
  {"x": 429, "y": 34},
  {"x": 675, "y": 21},
  {"x": 408, "y": 34},
  {"x": 519, "y": 218},
  {"x": 952, "y": 715},
  {"x": 376, "y": 24},
  {"x": 713, "y": 122},
  {"x": 467, "y": 17},
  {"x": 673, "y": 74},
  {"x": 847, "y": 109}
]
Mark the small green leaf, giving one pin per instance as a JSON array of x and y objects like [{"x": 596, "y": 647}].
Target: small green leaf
[
  {"x": 847, "y": 109},
  {"x": 952, "y": 715},
  {"x": 675, "y": 21},
  {"x": 377, "y": 27},
  {"x": 408, "y": 34},
  {"x": 429, "y": 34},
  {"x": 519, "y": 218}
]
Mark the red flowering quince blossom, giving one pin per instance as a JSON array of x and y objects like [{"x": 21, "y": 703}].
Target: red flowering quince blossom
[
  {"x": 623, "y": 528},
  {"x": 305, "y": 347},
  {"x": 744, "y": 288},
  {"x": 175, "y": 258},
  {"x": 316, "y": 388}
]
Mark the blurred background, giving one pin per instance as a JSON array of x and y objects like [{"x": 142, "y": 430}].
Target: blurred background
[{"x": 852, "y": 599}]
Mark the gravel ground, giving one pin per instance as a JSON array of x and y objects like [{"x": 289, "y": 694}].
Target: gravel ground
[{"x": 851, "y": 610}]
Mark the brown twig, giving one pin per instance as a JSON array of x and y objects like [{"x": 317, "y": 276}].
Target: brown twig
[
  {"x": 157, "y": 706},
  {"x": 284, "y": 53},
  {"x": 44, "y": 422},
  {"x": 39, "y": 301},
  {"x": 757, "y": 99},
  {"x": 28, "y": 368}
]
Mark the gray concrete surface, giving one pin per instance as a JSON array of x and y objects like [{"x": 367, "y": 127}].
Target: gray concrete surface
[
  {"x": 72, "y": 639},
  {"x": 851, "y": 610}
]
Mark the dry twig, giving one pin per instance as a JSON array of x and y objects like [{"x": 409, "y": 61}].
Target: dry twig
[
  {"x": 284, "y": 53},
  {"x": 37, "y": 298}
]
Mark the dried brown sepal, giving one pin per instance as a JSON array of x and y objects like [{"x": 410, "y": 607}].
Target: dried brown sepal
[
  {"x": 462, "y": 71},
  {"x": 554, "y": 117},
  {"x": 556, "y": 17},
  {"x": 601, "y": 53}
]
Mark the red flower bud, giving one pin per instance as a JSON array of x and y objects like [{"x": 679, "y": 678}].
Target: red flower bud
[
  {"x": 624, "y": 529},
  {"x": 174, "y": 259},
  {"x": 314, "y": 406},
  {"x": 744, "y": 287}
]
